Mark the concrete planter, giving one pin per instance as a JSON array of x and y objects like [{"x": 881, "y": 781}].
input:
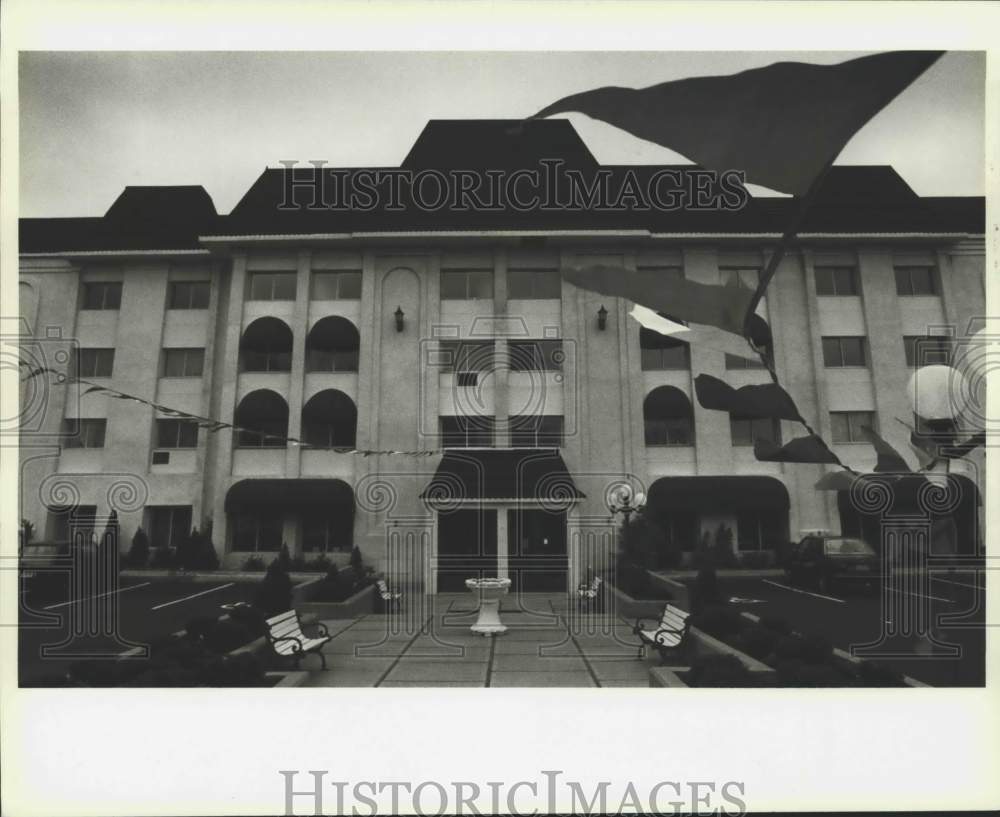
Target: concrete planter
[
  {"x": 360, "y": 603},
  {"x": 288, "y": 679},
  {"x": 679, "y": 592},
  {"x": 629, "y": 607},
  {"x": 844, "y": 659},
  {"x": 703, "y": 644}
]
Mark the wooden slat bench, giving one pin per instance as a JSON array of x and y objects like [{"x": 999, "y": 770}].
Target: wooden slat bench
[
  {"x": 588, "y": 594},
  {"x": 284, "y": 634},
  {"x": 668, "y": 636},
  {"x": 389, "y": 598}
]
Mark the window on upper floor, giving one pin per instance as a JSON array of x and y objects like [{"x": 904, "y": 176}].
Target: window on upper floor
[
  {"x": 745, "y": 430},
  {"x": 668, "y": 417},
  {"x": 534, "y": 284},
  {"x": 746, "y": 277},
  {"x": 94, "y": 363},
  {"x": 472, "y": 431},
  {"x": 84, "y": 433},
  {"x": 927, "y": 350},
  {"x": 840, "y": 281},
  {"x": 266, "y": 346},
  {"x": 842, "y": 352},
  {"x": 467, "y": 356},
  {"x": 335, "y": 285},
  {"x": 333, "y": 345},
  {"x": 271, "y": 286},
  {"x": 189, "y": 295},
  {"x": 102, "y": 295},
  {"x": 662, "y": 352},
  {"x": 914, "y": 279},
  {"x": 846, "y": 425},
  {"x": 536, "y": 431},
  {"x": 535, "y": 355},
  {"x": 466, "y": 285},
  {"x": 176, "y": 433},
  {"x": 183, "y": 362}
]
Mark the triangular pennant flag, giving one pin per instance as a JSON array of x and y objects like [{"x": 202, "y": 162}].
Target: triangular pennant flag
[
  {"x": 764, "y": 400},
  {"x": 835, "y": 481},
  {"x": 782, "y": 124},
  {"x": 965, "y": 447},
  {"x": 694, "y": 334},
  {"x": 801, "y": 449},
  {"x": 889, "y": 459},
  {"x": 716, "y": 305},
  {"x": 94, "y": 389}
]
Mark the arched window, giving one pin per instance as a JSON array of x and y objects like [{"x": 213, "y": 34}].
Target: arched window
[
  {"x": 266, "y": 346},
  {"x": 262, "y": 417},
  {"x": 668, "y": 417},
  {"x": 332, "y": 346},
  {"x": 330, "y": 420}
]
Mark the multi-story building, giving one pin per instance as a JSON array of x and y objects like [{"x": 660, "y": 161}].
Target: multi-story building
[{"x": 352, "y": 346}]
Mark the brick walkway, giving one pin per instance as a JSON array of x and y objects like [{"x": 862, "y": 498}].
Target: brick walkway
[{"x": 549, "y": 643}]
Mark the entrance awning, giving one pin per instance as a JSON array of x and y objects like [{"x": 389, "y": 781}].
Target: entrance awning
[
  {"x": 732, "y": 494},
  {"x": 288, "y": 494},
  {"x": 516, "y": 475}
]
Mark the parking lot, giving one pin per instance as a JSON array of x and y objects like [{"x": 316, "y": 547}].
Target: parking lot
[
  {"x": 146, "y": 609},
  {"x": 956, "y": 600}
]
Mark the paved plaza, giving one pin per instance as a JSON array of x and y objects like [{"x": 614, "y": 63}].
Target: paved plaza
[{"x": 549, "y": 643}]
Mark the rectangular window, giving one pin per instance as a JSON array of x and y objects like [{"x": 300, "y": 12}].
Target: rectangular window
[
  {"x": 169, "y": 525},
  {"x": 662, "y": 353},
  {"x": 840, "y": 352},
  {"x": 189, "y": 295},
  {"x": 176, "y": 434},
  {"x": 927, "y": 350},
  {"x": 102, "y": 295},
  {"x": 272, "y": 286},
  {"x": 461, "y": 356},
  {"x": 746, "y": 277},
  {"x": 656, "y": 275},
  {"x": 734, "y": 362},
  {"x": 339, "y": 285},
  {"x": 534, "y": 284},
  {"x": 535, "y": 355},
  {"x": 745, "y": 430},
  {"x": 467, "y": 432},
  {"x": 836, "y": 281},
  {"x": 846, "y": 425},
  {"x": 84, "y": 433},
  {"x": 327, "y": 532},
  {"x": 916, "y": 280},
  {"x": 466, "y": 285},
  {"x": 94, "y": 362},
  {"x": 536, "y": 431},
  {"x": 183, "y": 362},
  {"x": 257, "y": 532}
]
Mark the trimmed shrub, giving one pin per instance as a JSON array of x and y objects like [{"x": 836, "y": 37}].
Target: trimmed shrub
[
  {"x": 274, "y": 593},
  {"x": 284, "y": 558},
  {"x": 162, "y": 558},
  {"x": 138, "y": 553},
  {"x": 757, "y": 642},
  {"x": 252, "y": 564},
  {"x": 706, "y": 589},
  {"x": 250, "y": 617},
  {"x": 227, "y": 635},
  {"x": 357, "y": 562}
]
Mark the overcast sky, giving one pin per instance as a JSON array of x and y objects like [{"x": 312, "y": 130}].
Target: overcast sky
[{"x": 93, "y": 122}]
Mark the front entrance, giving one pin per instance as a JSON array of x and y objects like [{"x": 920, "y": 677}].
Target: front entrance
[
  {"x": 536, "y": 541},
  {"x": 466, "y": 547}
]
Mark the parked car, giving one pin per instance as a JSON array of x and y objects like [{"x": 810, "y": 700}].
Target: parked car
[{"x": 826, "y": 561}]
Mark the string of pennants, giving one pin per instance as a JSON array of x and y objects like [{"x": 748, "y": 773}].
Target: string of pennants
[{"x": 211, "y": 424}]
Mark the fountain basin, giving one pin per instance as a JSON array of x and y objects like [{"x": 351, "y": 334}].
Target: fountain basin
[{"x": 489, "y": 592}]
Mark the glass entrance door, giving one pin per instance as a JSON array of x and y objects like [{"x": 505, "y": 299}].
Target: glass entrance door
[
  {"x": 537, "y": 559},
  {"x": 466, "y": 547}
]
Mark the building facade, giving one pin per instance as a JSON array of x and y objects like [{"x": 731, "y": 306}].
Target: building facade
[{"x": 424, "y": 385}]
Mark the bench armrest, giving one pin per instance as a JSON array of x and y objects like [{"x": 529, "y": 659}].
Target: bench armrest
[{"x": 296, "y": 643}]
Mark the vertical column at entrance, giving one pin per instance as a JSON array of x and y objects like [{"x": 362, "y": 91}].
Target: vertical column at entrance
[{"x": 503, "y": 567}]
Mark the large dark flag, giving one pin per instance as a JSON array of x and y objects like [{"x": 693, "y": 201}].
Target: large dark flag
[{"x": 782, "y": 124}]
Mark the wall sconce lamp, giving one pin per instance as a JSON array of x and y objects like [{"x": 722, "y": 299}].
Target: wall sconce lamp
[
  {"x": 399, "y": 318},
  {"x": 602, "y": 318}
]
